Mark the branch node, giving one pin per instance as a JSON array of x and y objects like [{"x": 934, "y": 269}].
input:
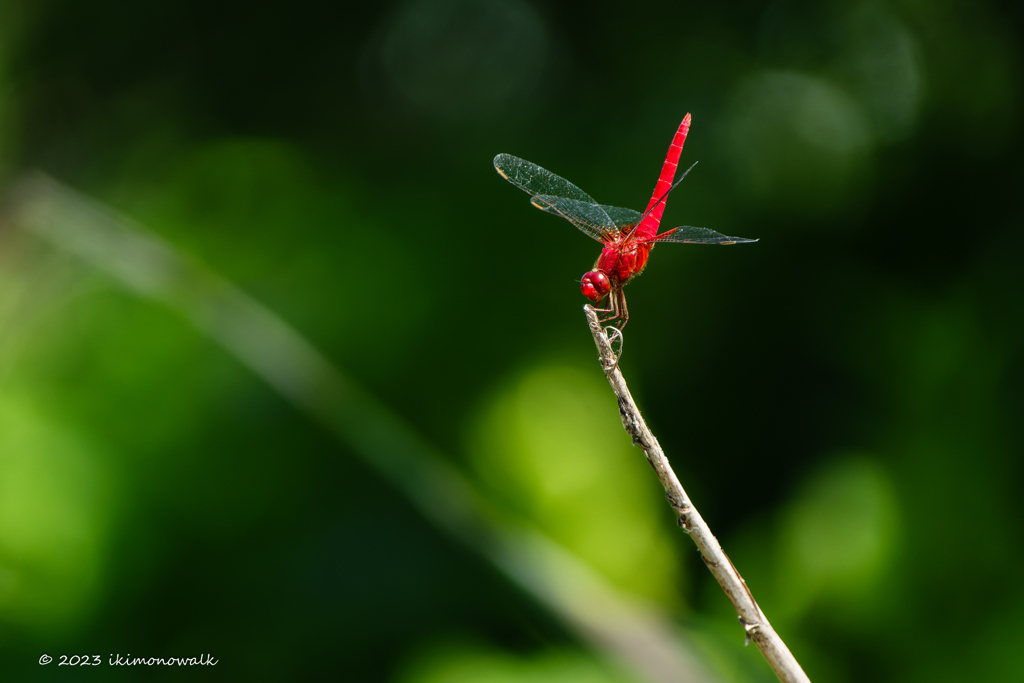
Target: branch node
[
  {"x": 680, "y": 506},
  {"x": 751, "y": 628}
]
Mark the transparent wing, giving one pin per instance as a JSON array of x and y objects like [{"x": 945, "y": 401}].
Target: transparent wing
[
  {"x": 590, "y": 218},
  {"x": 554, "y": 194},
  {"x": 530, "y": 177},
  {"x": 622, "y": 218},
  {"x": 691, "y": 235}
]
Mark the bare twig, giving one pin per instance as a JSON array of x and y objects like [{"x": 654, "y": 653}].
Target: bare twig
[{"x": 750, "y": 615}]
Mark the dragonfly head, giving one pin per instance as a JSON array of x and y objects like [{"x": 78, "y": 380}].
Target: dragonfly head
[{"x": 595, "y": 285}]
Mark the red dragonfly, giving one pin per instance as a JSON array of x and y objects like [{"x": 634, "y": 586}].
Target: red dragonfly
[{"x": 627, "y": 235}]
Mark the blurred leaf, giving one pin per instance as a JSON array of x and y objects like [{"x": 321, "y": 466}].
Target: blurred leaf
[
  {"x": 838, "y": 535},
  {"x": 551, "y": 445},
  {"x": 465, "y": 664},
  {"x": 462, "y": 60},
  {"x": 256, "y": 210},
  {"x": 55, "y": 512},
  {"x": 798, "y": 142}
]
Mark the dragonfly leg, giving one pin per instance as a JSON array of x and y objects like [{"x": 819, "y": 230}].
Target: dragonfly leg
[
  {"x": 617, "y": 309},
  {"x": 601, "y": 312},
  {"x": 611, "y": 307},
  {"x": 609, "y": 315}
]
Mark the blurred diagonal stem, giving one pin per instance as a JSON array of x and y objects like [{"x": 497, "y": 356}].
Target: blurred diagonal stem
[
  {"x": 750, "y": 615},
  {"x": 613, "y": 622}
]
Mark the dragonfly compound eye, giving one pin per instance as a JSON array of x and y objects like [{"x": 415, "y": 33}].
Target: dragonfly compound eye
[{"x": 595, "y": 285}]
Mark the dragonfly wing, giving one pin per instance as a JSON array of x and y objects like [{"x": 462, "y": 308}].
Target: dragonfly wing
[
  {"x": 554, "y": 194},
  {"x": 690, "y": 235},
  {"x": 530, "y": 177},
  {"x": 588, "y": 217},
  {"x": 623, "y": 218}
]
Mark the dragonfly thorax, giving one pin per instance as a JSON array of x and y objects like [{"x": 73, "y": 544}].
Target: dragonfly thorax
[{"x": 621, "y": 260}]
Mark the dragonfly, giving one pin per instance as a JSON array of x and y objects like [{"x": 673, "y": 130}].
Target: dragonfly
[{"x": 628, "y": 236}]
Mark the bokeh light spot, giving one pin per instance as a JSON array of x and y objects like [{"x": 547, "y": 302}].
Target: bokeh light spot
[
  {"x": 551, "y": 444},
  {"x": 839, "y": 532},
  {"x": 461, "y": 58},
  {"x": 466, "y": 664},
  {"x": 797, "y": 141},
  {"x": 54, "y": 513}
]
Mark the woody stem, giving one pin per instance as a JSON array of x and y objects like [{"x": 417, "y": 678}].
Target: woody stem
[{"x": 750, "y": 615}]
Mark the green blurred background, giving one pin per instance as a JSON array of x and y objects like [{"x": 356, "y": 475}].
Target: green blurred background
[{"x": 842, "y": 400}]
